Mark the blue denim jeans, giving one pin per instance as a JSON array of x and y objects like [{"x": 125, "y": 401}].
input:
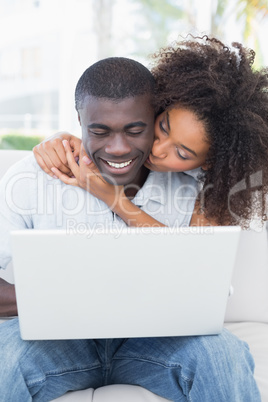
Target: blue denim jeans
[{"x": 202, "y": 368}]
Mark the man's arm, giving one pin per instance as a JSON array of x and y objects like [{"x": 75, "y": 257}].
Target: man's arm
[
  {"x": 16, "y": 195},
  {"x": 8, "y": 304}
]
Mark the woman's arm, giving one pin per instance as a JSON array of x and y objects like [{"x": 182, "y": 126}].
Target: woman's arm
[
  {"x": 199, "y": 219},
  {"x": 51, "y": 153},
  {"x": 87, "y": 176},
  {"x": 58, "y": 155},
  {"x": 133, "y": 215}
]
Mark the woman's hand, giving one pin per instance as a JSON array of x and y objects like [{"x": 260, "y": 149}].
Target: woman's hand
[
  {"x": 51, "y": 153},
  {"x": 87, "y": 176}
]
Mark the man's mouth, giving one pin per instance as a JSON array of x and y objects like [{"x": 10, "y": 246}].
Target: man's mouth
[{"x": 119, "y": 165}]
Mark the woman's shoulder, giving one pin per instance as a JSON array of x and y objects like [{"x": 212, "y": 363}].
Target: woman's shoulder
[{"x": 197, "y": 173}]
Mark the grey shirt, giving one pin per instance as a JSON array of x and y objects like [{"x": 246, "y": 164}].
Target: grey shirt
[{"x": 30, "y": 199}]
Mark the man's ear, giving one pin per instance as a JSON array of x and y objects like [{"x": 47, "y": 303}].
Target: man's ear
[{"x": 79, "y": 119}]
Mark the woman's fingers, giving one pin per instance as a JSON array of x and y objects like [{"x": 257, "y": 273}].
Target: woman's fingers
[
  {"x": 83, "y": 156},
  {"x": 41, "y": 162},
  {"x": 70, "y": 158},
  {"x": 64, "y": 177},
  {"x": 88, "y": 168},
  {"x": 75, "y": 145},
  {"x": 50, "y": 154}
]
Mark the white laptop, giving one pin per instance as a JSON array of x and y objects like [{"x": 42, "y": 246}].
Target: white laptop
[{"x": 143, "y": 282}]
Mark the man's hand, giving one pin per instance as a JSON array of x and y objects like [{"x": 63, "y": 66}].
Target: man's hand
[
  {"x": 51, "y": 153},
  {"x": 8, "y": 304}
]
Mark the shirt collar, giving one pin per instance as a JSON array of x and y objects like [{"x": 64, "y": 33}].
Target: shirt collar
[
  {"x": 195, "y": 173},
  {"x": 154, "y": 189}
]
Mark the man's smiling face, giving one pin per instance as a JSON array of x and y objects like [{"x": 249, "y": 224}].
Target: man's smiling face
[{"x": 118, "y": 135}]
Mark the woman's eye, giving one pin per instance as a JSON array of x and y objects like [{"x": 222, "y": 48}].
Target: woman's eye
[
  {"x": 181, "y": 156},
  {"x": 162, "y": 128}
]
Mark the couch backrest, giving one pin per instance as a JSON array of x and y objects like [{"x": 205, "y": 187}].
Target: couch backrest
[
  {"x": 249, "y": 301},
  {"x": 9, "y": 157}
]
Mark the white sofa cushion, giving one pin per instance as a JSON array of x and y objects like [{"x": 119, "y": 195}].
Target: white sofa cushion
[
  {"x": 256, "y": 335},
  {"x": 9, "y": 157},
  {"x": 112, "y": 393},
  {"x": 249, "y": 301},
  {"x": 77, "y": 396}
]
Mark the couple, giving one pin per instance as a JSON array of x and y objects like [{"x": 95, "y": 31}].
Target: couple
[
  {"x": 211, "y": 123},
  {"x": 115, "y": 100}
]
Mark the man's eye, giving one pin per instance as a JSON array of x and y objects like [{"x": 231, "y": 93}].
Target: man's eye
[
  {"x": 135, "y": 132},
  {"x": 98, "y": 132}
]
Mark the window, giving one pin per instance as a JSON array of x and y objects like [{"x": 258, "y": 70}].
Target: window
[{"x": 31, "y": 63}]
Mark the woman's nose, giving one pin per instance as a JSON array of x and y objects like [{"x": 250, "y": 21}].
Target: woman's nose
[{"x": 159, "y": 149}]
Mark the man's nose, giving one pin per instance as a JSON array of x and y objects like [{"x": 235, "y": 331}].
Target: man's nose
[
  {"x": 118, "y": 145},
  {"x": 159, "y": 149}
]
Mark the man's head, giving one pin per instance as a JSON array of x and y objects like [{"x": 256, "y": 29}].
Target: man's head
[{"x": 114, "y": 101}]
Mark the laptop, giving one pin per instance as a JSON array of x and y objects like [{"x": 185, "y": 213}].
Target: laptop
[{"x": 145, "y": 282}]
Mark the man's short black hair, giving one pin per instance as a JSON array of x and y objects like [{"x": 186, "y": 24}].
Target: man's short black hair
[{"x": 114, "y": 78}]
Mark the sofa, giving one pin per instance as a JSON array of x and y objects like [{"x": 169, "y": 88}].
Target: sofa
[{"x": 246, "y": 313}]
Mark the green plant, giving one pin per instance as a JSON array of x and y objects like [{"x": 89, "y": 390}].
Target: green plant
[{"x": 15, "y": 141}]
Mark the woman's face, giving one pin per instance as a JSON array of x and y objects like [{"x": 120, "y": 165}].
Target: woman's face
[{"x": 180, "y": 142}]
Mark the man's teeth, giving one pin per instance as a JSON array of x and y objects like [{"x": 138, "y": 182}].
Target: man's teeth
[{"x": 119, "y": 165}]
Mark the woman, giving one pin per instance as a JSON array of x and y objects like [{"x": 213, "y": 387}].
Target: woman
[{"x": 212, "y": 115}]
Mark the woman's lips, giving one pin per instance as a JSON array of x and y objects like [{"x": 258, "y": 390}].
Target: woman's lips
[{"x": 148, "y": 160}]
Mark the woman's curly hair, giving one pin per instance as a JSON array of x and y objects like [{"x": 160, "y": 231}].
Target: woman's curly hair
[{"x": 219, "y": 85}]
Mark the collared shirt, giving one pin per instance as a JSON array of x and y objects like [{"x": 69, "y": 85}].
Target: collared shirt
[{"x": 31, "y": 199}]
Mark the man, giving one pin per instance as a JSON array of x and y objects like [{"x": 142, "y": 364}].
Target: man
[{"x": 114, "y": 103}]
